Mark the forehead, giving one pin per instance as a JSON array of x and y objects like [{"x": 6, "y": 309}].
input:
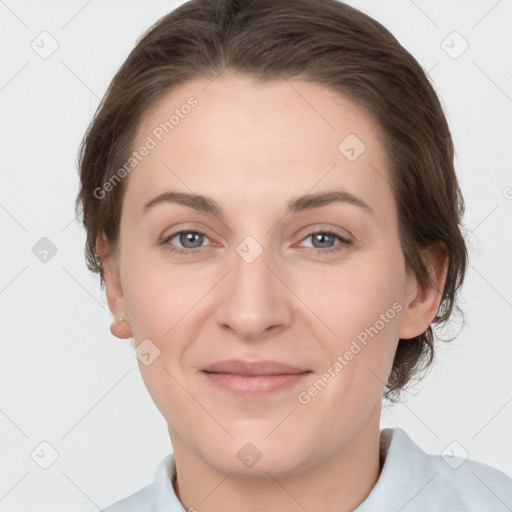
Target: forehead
[{"x": 234, "y": 134}]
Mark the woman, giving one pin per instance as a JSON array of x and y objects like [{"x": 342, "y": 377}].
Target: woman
[{"x": 270, "y": 200}]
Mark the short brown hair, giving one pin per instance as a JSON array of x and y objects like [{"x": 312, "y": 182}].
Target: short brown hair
[{"x": 324, "y": 41}]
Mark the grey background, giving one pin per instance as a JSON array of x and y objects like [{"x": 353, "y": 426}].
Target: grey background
[{"x": 65, "y": 380}]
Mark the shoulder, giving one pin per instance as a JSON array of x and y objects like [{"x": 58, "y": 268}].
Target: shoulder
[
  {"x": 475, "y": 485},
  {"x": 140, "y": 501},
  {"x": 413, "y": 481},
  {"x": 449, "y": 479},
  {"x": 471, "y": 476},
  {"x": 157, "y": 496}
]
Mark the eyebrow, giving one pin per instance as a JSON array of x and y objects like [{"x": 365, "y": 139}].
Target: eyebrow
[{"x": 297, "y": 204}]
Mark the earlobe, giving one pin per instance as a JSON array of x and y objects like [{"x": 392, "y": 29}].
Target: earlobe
[
  {"x": 120, "y": 327},
  {"x": 423, "y": 301}
]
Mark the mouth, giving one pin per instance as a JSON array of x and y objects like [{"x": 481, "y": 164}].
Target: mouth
[{"x": 253, "y": 379}]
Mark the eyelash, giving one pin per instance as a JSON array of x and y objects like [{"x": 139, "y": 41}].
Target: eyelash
[{"x": 344, "y": 241}]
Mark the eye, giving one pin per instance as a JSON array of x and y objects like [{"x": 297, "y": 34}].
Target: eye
[
  {"x": 190, "y": 240},
  {"x": 325, "y": 239}
]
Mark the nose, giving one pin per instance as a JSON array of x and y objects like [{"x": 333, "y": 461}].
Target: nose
[{"x": 254, "y": 301}]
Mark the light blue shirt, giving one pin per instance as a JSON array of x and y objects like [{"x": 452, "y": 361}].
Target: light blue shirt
[{"x": 410, "y": 481}]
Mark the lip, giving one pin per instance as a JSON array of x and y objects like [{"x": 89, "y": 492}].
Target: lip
[
  {"x": 253, "y": 368},
  {"x": 253, "y": 379}
]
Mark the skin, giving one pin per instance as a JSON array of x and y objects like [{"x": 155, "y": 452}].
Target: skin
[{"x": 251, "y": 148}]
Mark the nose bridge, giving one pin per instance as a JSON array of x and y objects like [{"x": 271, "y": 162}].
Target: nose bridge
[{"x": 253, "y": 299}]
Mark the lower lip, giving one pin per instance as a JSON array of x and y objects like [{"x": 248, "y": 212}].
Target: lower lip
[{"x": 255, "y": 386}]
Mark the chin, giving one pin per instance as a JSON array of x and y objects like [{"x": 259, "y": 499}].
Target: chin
[{"x": 244, "y": 458}]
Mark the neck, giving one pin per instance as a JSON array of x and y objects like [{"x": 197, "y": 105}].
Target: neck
[{"x": 339, "y": 483}]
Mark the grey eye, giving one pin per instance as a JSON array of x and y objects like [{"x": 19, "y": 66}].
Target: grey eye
[
  {"x": 191, "y": 239},
  {"x": 323, "y": 239}
]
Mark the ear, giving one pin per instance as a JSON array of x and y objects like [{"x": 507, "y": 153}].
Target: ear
[
  {"x": 113, "y": 288},
  {"x": 422, "y": 302}
]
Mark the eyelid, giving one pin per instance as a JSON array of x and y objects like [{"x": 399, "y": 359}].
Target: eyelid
[
  {"x": 344, "y": 241},
  {"x": 166, "y": 239},
  {"x": 173, "y": 231},
  {"x": 331, "y": 229},
  {"x": 335, "y": 233}
]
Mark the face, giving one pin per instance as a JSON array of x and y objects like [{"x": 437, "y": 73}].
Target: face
[{"x": 318, "y": 287}]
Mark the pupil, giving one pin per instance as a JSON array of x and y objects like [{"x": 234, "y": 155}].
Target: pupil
[
  {"x": 321, "y": 237},
  {"x": 189, "y": 237}
]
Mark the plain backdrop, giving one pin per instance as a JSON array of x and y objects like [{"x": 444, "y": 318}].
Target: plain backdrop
[{"x": 66, "y": 382}]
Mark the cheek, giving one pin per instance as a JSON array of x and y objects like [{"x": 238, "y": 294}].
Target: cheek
[
  {"x": 353, "y": 296},
  {"x": 361, "y": 305},
  {"x": 158, "y": 294},
  {"x": 151, "y": 308}
]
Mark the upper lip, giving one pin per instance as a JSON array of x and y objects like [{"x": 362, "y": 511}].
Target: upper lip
[{"x": 240, "y": 367}]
